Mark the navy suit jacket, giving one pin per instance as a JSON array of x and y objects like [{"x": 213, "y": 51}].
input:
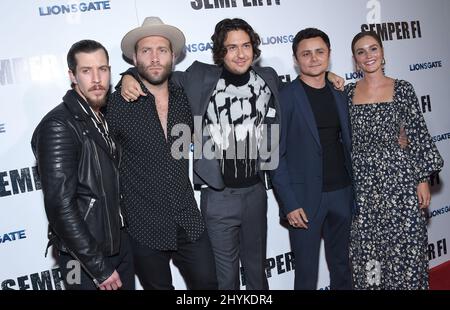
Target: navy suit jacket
[{"x": 298, "y": 179}]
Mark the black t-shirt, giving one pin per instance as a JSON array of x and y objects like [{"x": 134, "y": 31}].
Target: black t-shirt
[{"x": 323, "y": 105}]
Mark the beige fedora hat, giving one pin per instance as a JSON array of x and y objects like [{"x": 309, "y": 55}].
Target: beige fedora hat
[{"x": 153, "y": 26}]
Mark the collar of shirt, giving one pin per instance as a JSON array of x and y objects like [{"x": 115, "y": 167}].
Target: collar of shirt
[
  {"x": 236, "y": 79},
  {"x": 98, "y": 119}
]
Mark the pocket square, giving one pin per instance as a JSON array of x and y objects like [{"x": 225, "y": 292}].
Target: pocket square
[{"x": 271, "y": 112}]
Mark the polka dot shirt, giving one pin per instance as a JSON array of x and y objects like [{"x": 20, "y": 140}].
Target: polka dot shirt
[{"x": 156, "y": 192}]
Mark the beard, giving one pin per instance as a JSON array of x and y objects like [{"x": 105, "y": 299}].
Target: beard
[
  {"x": 94, "y": 100},
  {"x": 163, "y": 76}
]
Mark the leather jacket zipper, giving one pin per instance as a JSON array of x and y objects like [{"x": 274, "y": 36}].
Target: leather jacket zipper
[
  {"x": 103, "y": 195},
  {"x": 91, "y": 204},
  {"x": 122, "y": 221}
]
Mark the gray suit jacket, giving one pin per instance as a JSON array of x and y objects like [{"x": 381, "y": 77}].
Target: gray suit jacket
[{"x": 199, "y": 82}]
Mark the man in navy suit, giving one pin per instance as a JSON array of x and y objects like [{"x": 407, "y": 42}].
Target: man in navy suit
[{"x": 313, "y": 179}]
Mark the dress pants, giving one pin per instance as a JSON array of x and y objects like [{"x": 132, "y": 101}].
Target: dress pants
[
  {"x": 236, "y": 220},
  {"x": 332, "y": 222},
  {"x": 194, "y": 260}
]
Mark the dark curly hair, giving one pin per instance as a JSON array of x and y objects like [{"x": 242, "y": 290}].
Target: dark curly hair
[{"x": 220, "y": 34}]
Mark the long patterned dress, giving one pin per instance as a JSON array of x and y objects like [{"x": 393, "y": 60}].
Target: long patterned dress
[{"x": 388, "y": 248}]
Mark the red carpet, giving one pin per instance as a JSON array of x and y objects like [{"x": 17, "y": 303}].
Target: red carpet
[{"x": 440, "y": 277}]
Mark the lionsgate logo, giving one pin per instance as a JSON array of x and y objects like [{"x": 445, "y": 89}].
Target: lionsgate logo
[
  {"x": 198, "y": 47},
  {"x": 74, "y": 7},
  {"x": 228, "y": 141},
  {"x": 12, "y": 236}
]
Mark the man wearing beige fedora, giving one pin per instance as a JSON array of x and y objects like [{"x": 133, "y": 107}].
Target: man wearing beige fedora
[
  {"x": 158, "y": 201},
  {"x": 236, "y": 105}
]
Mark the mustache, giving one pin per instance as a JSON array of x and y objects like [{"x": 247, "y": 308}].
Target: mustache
[
  {"x": 96, "y": 87},
  {"x": 154, "y": 67}
]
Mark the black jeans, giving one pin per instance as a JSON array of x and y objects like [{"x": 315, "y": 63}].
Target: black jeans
[
  {"x": 195, "y": 261},
  {"x": 122, "y": 262}
]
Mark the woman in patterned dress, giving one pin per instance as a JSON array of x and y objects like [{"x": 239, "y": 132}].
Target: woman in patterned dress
[{"x": 388, "y": 247}]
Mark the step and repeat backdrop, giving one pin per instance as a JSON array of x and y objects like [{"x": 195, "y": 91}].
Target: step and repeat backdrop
[{"x": 36, "y": 35}]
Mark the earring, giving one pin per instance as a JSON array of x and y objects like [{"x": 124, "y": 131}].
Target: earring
[{"x": 383, "y": 62}]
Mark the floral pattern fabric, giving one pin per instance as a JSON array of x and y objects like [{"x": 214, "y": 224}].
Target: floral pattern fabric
[{"x": 388, "y": 248}]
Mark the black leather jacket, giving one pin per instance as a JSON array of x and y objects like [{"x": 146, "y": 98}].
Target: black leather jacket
[{"x": 80, "y": 182}]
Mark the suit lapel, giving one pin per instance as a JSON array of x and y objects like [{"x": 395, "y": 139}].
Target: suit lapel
[
  {"x": 207, "y": 169},
  {"x": 341, "y": 107},
  {"x": 267, "y": 78},
  {"x": 273, "y": 102},
  {"x": 304, "y": 106},
  {"x": 208, "y": 86},
  {"x": 96, "y": 136}
]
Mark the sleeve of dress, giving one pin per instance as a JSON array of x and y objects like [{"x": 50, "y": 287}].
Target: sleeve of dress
[
  {"x": 347, "y": 88},
  {"x": 348, "y": 92},
  {"x": 424, "y": 153}
]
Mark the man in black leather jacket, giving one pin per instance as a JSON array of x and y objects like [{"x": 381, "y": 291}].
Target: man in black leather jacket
[{"x": 78, "y": 164}]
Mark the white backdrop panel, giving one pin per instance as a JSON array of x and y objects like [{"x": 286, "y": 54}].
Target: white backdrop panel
[{"x": 36, "y": 35}]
